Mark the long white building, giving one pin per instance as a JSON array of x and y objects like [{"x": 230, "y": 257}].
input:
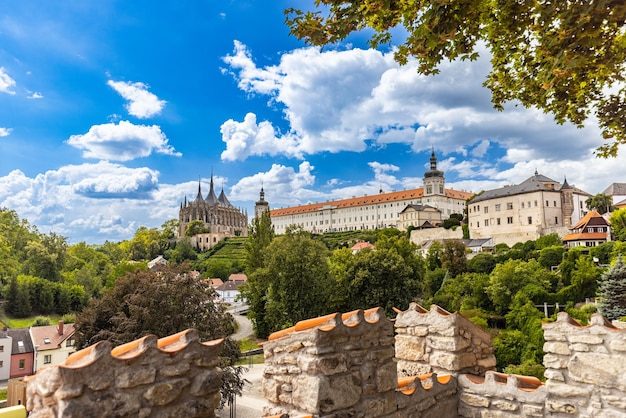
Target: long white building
[{"x": 374, "y": 211}]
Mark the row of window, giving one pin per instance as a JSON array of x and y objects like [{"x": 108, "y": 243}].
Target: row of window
[
  {"x": 509, "y": 221},
  {"x": 23, "y": 362}
]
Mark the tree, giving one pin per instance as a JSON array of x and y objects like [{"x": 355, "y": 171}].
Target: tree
[
  {"x": 551, "y": 256},
  {"x": 481, "y": 263},
  {"x": 601, "y": 202},
  {"x": 618, "y": 224},
  {"x": 563, "y": 58},
  {"x": 297, "y": 271},
  {"x": 612, "y": 291},
  {"x": 161, "y": 303},
  {"x": 453, "y": 257},
  {"x": 512, "y": 276},
  {"x": 260, "y": 235}
]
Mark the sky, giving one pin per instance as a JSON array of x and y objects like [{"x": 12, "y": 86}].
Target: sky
[{"x": 111, "y": 112}]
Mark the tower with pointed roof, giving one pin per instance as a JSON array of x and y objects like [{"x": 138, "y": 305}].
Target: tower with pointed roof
[
  {"x": 567, "y": 202},
  {"x": 434, "y": 182},
  {"x": 220, "y": 218},
  {"x": 261, "y": 205}
]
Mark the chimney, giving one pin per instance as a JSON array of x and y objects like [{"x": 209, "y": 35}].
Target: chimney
[{"x": 60, "y": 327}]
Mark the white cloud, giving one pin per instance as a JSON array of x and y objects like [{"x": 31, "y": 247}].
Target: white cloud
[
  {"x": 34, "y": 95},
  {"x": 5, "y": 132},
  {"x": 337, "y": 101},
  {"x": 142, "y": 103},
  {"x": 6, "y": 82},
  {"x": 89, "y": 202},
  {"x": 122, "y": 142},
  {"x": 247, "y": 138}
]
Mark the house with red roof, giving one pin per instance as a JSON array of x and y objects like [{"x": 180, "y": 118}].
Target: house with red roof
[
  {"x": 590, "y": 231},
  {"x": 53, "y": 344}
]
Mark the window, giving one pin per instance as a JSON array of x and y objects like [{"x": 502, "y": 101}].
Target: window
[
  {"x": 46, "y": 340},
  {"x": 522, "y": 205},
  {"x": 477, "y": 224},
  {"x": 21, "y": 364},
  {"x": 486, "y": 209},
  {"x": 590, "y": 229},
  {"x": 530, "y": 220},
  {"x": 554, "y": 203},
  {"x": 1, "y": 363},
  {"x": 486, "y": 222},
  {"x": 547, "y": 203},
  {"x": 535, "y": 203},
  {"x": 498, "y": 221},
  {"x": 509, "y": 220},
  {"x": 47, "y": 359},
  {"x": 556, "y": 220},
  {"x": 70, "y": 342},
  {"x": 600, "y": 229},
  {"x": 497, "y": 208},
  {"x": 509, "y": 206},
  {"x": 1, "y": 349}
]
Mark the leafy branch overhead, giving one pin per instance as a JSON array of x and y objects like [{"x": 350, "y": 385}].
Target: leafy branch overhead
[{"x": 563, "y": 57}]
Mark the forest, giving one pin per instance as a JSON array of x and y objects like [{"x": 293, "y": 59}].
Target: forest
[{"x": 298, "y": 275}]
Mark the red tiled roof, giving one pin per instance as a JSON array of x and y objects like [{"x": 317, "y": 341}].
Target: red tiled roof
[
  {"x": 366, "y": 200},
  {"x": 50, "y": 333},
  {"x": 240, "y": 277},
  {"x": 361, "y": 245}
]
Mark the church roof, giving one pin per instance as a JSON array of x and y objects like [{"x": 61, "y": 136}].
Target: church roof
[
  {"x": 211, "y": 199},
  {"x": 223, "y": 200}
]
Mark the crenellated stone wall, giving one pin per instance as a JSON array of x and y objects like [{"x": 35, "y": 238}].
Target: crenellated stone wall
[
  {"x": 442, "y": 342},
  {"x": 497, "y": 395},
  {"x": 174, "y": 376},
  {"x": 349, "y": 365},
  {"x": 585, "y": 368},
  {"x": 337, "y": 364}
]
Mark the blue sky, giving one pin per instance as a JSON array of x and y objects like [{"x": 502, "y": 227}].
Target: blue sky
[{"x": 111, "y": 111}]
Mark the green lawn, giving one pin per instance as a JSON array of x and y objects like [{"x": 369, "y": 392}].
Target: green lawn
[{"x": 24, "y": 322}]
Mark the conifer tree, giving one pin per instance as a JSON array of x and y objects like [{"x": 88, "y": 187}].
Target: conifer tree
[{"x": 612, "y": 291}]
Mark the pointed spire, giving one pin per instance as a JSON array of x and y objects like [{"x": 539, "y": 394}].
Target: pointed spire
[
  {"x": 536, "y": 172},
  {"x": 211, "y": 199},
  {"x": 565, "y": 184},
  {"x": 433, "y": 160},
  {"x": 199, "y": 196}
]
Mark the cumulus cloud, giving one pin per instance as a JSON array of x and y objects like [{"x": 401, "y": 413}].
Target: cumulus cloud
[
  {"x": 123, "y": 141},
  {"x": 90, "y": 202},
  {"x": 6, "y": 82},
  {"x": 335, "y": 101},
  {"x": 247, "y": 138},
  {"x": 142, "y": 103},
  {"x": 5, "y": 132}
]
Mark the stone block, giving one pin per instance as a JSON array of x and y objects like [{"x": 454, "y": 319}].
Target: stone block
[
  {"x": 618, "y": 345},
  {"x": 504, "y": 405},
  {"x": 585, "y": 338},
  {"x": 562, "y": 390},
  {"x": 134, "y": 378},
  {"x": 452, "y": 344},
  {"x": 410, "y": 348},
  {"x": 474, "y": 400},
  {"x": 598, "y": 369},
  {"x": 557, "y": 348},
  {"x": 532, "y": 411},
  {"x": 551, "y": 374},
  {"x": 164, "y": 393},
  {"x": 552, "y": 361},
  {"x": 579, "y": 347},
  {"x": 554, "y": 406}
]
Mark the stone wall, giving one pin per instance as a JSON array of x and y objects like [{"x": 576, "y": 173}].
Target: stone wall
[
  {"x": 442, "y": 342},
  {"x": 497, "y": 395},
  {"x": 170, "y": 377},
  {"x": 585, "y": 368}
]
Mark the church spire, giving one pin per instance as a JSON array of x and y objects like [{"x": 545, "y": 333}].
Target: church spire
[{"x": 199, "y": 196}]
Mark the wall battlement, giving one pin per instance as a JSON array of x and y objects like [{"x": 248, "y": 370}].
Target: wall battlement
[{"x": 350, "y": 365}]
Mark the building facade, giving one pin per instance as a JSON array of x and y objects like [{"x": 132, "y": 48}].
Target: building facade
[
  {"x": 374, "y": 211},
  {"x": 538, "y": 206},
  {"x": 592, "y": 230},
  {"x": 219, "y": 217}
]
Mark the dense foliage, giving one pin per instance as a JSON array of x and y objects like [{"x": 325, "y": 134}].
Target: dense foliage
[
  {"x": 161, "y": 303},
  {"x": 566, "y": 58}
]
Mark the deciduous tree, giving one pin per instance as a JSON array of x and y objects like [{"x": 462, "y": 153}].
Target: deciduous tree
[
  {"x": 160, "y": 303},
  {"x": 566, "y": 58}
]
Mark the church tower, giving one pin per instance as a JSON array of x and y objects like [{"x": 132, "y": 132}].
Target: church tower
[
  {"x": 567, "y": 203},
  {"x": 433, "y": 179},
  {"x": 261, "y": 205}
]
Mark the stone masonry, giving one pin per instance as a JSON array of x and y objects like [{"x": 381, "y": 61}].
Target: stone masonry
[
  {"x": 349, "y": 366},
  {"x": 442, "y": 342},
  {"x": 170, "y": 377}
]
